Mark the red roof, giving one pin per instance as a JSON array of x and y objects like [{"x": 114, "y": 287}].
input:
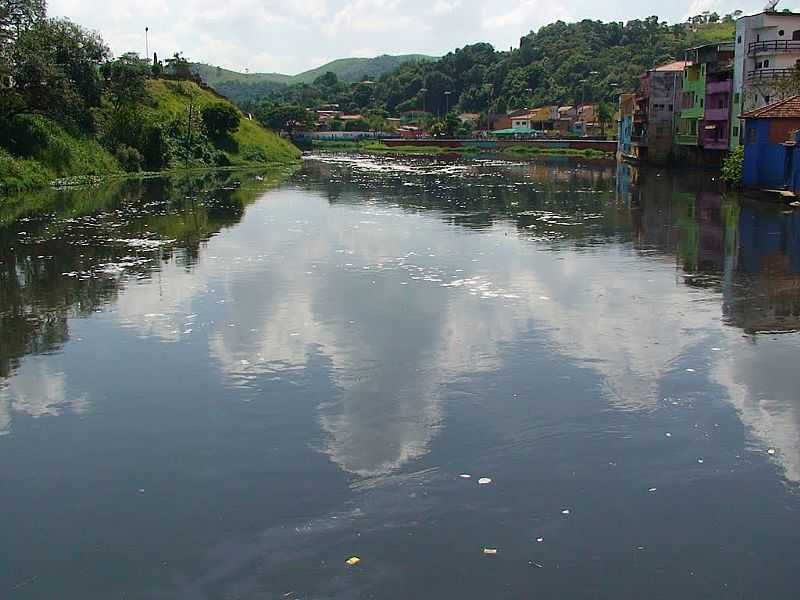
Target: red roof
[{"x": 783, "y": 109}]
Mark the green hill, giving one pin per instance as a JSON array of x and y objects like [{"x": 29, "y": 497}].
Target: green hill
[
  {"x": 241, "y": 87},
  {"x": 37, "y": 150}
]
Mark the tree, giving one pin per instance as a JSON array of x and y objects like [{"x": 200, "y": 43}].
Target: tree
[
  {"x": 605, "y": 114},
  {"x": 125, "y": 79},
  {"x": 54, "y": 70},
  {"x": 284, "y": 117},
  {"x": 179, "y": 68},
  {"x": 17, "y": 16},
  {"x": 451, "y": 124},
  {"x": 220, "y": 119}
]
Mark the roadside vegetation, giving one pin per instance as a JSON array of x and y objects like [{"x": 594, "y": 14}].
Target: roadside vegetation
[{"x": 68, "y": 109}]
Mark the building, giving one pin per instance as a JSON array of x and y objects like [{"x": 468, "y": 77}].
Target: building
[
  {"x": 702, "y": 133},
  {"x": 769, "y": 142},
  {"x": 566, "y": 119},
  {"x": 767, "y": 49},
  {"x": 647, "y": 120}
]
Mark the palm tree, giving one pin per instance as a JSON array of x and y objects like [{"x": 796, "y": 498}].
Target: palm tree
[{"x": 605, "y": 115}]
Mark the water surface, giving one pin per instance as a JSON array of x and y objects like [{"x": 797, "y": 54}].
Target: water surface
[{"x": 224, "y": 387}]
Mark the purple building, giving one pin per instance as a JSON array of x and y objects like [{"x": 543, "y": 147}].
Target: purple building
[{"x": 716, "y": 125}]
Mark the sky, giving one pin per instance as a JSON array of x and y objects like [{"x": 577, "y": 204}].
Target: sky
[{"x": 291, "y": 36}]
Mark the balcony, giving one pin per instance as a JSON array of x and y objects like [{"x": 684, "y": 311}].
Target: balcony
[
  {"x": 685, "y": 139},
  {"x": 773, "y": 47},
  {"x": 719, "y": 87},
  {"x": 717, "y": 114},
  {"x": 760, "y": 75}
]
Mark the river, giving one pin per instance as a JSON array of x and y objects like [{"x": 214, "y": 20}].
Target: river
[{"x": 225, "y": 386}]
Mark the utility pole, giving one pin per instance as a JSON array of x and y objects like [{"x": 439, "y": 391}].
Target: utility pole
[
  {"x": 447, "y": 103},
  {"x": 146, "y": 43},
  {"x": 189, "y": 133}
]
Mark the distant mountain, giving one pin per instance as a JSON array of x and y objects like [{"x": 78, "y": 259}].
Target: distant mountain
[
  {"x": 249, "y": 86},
  {"x": 351, "y": 70}
]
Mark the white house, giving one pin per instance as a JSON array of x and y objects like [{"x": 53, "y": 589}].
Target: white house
[{"x": 767, "y": 49}]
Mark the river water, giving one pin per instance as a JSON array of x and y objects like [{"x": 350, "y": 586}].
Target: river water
[{"x": 225, "y": 386}]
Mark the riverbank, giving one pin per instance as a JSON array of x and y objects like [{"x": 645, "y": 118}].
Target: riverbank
[
  {"x": 518, "y": 151},
  {"x": 37, "y": 151}
]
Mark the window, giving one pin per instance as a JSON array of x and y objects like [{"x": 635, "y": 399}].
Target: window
[
  {"x": 751, "y": 135},
  {"x": 766, "y": 63},
  {"x": 759, "y": 65},
  {"x": 758, "y": 37},
  {"x": 701, "y": 102},
  {"x": 739, "y": 40},
  {"x": 671, "y": 108},
  {"x": 780, "y": 32},
  {"x": 766, "y": 99},
  {"x": 736, "y": 98},
  {"x": 735, "y": 132}
]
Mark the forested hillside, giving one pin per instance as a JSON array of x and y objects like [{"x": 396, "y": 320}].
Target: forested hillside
[{"x": 560, "y": 63}]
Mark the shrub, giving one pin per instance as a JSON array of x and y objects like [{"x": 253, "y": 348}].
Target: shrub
[
  {"x": 220, "y": 119},
  {"x": 733, "y": 166},
  {"x": 130, "y": 158}
]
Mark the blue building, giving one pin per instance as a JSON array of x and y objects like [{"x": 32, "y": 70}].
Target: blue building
[{"x": 769, "y": 140}]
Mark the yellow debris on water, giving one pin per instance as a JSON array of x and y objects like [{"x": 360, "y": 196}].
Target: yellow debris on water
[{"x": 353, "y": 561}]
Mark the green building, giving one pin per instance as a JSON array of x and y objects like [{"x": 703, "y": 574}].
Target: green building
[{"x": 693, "y": 93}]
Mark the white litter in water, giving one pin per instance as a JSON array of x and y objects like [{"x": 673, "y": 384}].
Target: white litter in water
[
  {"x": 716, "y": 349},
  {"x": 543, "y": 298},
  {"x": 490, "y": 550},
  {"x": 566, "y": 511},
  {"x": 484, "y": 481},
  {"x": 465, "y": 476},
  {"x": 700, "y": 460},
  {"x": 690, "y": 370},
  {"x": 668, "y": 434},
  {"x": 651, "y": 490},
  {"x": 540, "y": 539},
  {"x": 771, "y": 451}
]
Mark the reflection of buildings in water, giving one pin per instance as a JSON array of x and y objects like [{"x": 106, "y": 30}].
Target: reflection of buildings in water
[{"x": 768, "y": 299}]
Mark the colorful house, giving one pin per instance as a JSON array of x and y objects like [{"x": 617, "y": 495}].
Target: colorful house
[
  {"x": 693, "y": 97},
  {"x": 769, "y": 144}
]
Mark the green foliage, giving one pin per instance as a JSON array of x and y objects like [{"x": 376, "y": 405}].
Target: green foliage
[
  {"x": 356, "y": 125},
  {"x": 129, "y": 158},
  {"x": 54, "y": 71},
  {"x": 733, "y": 167},
  {"x": 124, "y": 79},
  {"x": 561, "y": 63},
  {"x": 220, "y": 119},
  {"x": 283, "y": 116}
]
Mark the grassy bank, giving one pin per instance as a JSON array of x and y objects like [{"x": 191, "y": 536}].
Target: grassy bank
[
  {"x": 381, "y": 148},
  {"x": 524, "y": 150},
  {"x": 37, "y": 151},
  {"x": 519, "y": 151}
]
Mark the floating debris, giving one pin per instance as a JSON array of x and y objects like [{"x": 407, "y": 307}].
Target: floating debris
[
  {"x": 700, "y": 461},
  {"x": 668, "y": 434},
  {"x": 490, "y": 551},
  {"x": 465, "y": 476},
  {"x": 540, "y": 539},
  {"x": 690, "y": 370},
  {"x": 484, "y": 481},
  {"x": 566, "y": 511},
  {"x": 652, "y": 489},
  {"x": 353, "y": 561},
  {"x": 771, "y": 451}
]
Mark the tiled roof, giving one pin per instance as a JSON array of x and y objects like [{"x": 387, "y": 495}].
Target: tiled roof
[
  {"x": 678, "y": 65},
  {"x": 783, "y": 109}
]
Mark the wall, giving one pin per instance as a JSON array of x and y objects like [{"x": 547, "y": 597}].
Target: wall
[{"x": 764, "y": 160}]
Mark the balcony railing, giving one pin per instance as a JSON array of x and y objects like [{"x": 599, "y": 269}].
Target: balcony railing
[
  {"x": 768, "y": 74},
  {"x": 773, "y": 47}
]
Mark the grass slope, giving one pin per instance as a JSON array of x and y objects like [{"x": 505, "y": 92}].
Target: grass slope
[
  {"x": 51, "y": 153},
  {"x": 252, "y": 143}
]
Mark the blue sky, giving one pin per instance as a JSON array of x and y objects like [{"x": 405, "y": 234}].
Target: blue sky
[{"x": 290, "y": 36}]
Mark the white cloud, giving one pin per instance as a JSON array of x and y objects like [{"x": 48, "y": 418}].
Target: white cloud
[{"x": 445, "y": 7}]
